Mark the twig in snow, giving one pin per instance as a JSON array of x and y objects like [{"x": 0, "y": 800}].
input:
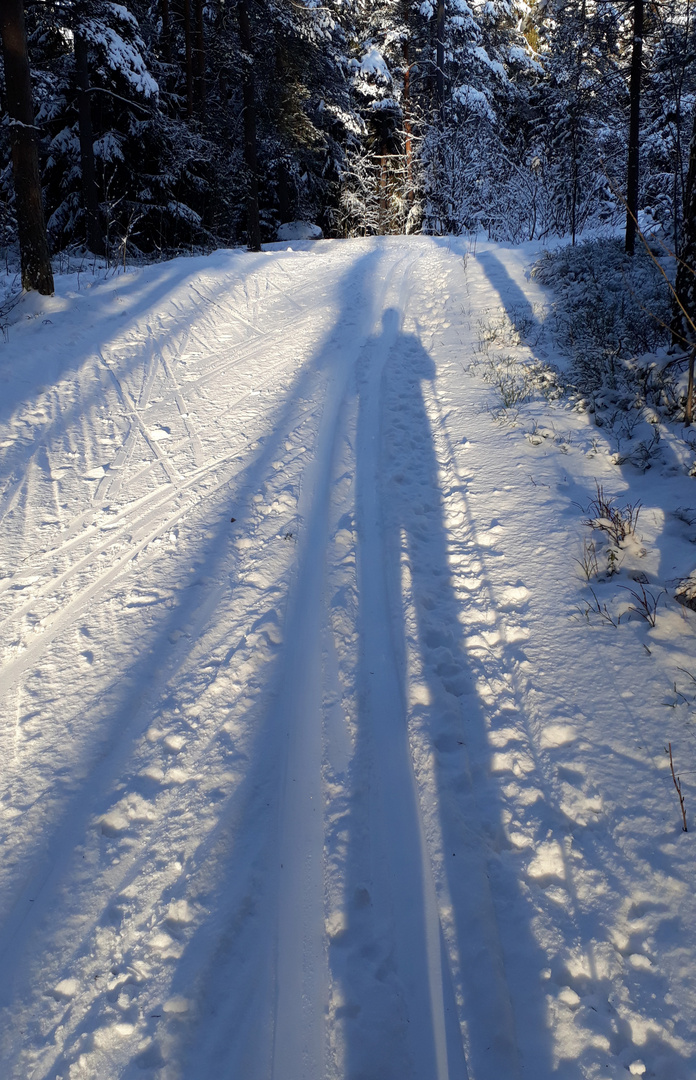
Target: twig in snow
[
  {"x": 677, "y": 784},
  {"x": 646, "y": 603}
]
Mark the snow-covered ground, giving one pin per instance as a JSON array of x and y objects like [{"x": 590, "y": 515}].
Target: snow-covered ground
[{"x": 316, "y": 761}]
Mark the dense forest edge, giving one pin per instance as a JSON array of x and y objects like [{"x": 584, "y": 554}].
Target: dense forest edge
[{"x": 144, "y": 130}]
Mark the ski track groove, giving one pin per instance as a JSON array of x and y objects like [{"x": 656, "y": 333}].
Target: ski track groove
[
  {"x": 299, "y": 1046},
  {"x": 134, "y": 413},
  {"x": 69, "y": 612}
]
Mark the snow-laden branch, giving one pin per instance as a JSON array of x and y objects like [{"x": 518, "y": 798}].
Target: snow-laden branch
[{"x": 11, "y": 122}]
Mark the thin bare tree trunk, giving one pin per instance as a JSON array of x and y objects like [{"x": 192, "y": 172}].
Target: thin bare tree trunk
[
  {"x": 408, "y": 134},
  {"x": 574, "y": 197},
  {"x": 250, "y": 153},
  {"x": 189, "y": 58},
  {"x": 200, "y": 59},
  {"x": 634, "y": 128},
  {"x": 166, "y": 35},
  {"x": 383, "y": 192},
  {"x": 95, "y": 240},
  {"x": 440, "y": 58},
  {"x": 33, "y": 243},
  {"x": 689, "y": 410}
]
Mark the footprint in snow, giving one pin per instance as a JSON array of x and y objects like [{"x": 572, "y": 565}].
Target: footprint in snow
[{"x": 159, "y": 433}]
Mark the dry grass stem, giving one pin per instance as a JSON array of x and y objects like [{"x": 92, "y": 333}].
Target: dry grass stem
[{"x": 677, "y": 784}]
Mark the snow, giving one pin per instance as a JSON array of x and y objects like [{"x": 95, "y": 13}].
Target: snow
[
  {"x": 518, "y": 55},
  {"x": 299, "y": 230},
  {"x": 313, "y": 764},
  {"x": 120, "y": 55},
  {"x": 373, "y": 63},
  {"x": 474, "y": 100},
  {"x": 495, "y": 66}
]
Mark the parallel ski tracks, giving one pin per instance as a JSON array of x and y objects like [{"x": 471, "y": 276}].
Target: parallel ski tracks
[
  {"x": 133, "y": 524},
  {"x": 133, "y": 518},
  {"x": 403, "y": 862}
]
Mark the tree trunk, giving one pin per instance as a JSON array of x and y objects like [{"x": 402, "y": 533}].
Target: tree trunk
[
  {"x": 408, "y": 132},
  {"x": 675, "y": 211},
  {"x": 200, "y": 59},
  {"x": 440, "y": 58},
  {"x": 382, "y": 225},
  {"x": 574, "y": 194},
  {"x": 684, "y": 316},
  {"x": 33, "y": 243},
  {"x": 689, "y": 408},
  {"x": 189, "y": 58},
  {"x": 634, "y": 128},
  {"x": 95, "y": 240},
  {"x": 166, "y": 33},
  {"x": 250, "y": 156},
  {"x": 679, "y": 197}
]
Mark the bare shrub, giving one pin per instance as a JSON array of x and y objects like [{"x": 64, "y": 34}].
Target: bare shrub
[
  {"x": 588, "y": 562},
  {"x": 645, "y": 603},
  {"x": 617, "y": 522}
]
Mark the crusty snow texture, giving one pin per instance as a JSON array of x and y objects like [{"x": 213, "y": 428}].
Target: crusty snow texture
[{"x": 313, "y": 765}]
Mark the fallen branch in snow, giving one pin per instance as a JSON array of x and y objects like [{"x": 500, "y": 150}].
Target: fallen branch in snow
[{"x": 677, "y": 784}]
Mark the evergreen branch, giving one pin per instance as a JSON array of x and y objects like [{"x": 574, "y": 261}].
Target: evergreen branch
[{"x": 103, "y": 90}]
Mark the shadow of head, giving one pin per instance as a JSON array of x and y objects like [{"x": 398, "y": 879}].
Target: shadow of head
[
  {"x": 407, "y": 357},
  {"x": 391, "y": 321}
]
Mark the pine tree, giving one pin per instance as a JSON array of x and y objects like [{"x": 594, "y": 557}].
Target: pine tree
[
  {"x": 578, "y": 110},
  {"x": 669, "y": 87},
  {"x": 90, "y": 191}
]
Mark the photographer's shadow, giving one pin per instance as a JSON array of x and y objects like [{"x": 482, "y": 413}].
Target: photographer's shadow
[{"x": 418, "y": 703}]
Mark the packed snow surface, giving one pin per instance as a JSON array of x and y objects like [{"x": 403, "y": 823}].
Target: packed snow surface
[{"x": 315, "y": 765}]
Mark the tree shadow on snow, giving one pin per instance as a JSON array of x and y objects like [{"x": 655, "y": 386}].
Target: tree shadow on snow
[
  {"x": 229, "y": 866},
  {"x": 512, "y": 298}
]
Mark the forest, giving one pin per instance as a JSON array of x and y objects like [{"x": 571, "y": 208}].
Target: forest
[{"x": 182, "y": 125}]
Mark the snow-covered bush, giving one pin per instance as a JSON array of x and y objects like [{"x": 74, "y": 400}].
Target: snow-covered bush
[
  {"x": 378, "y": 195},
  {"x": 610, "y": 311}
]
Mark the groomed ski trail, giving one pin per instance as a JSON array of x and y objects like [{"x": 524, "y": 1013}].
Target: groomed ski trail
[
  {"x": 292, "y": 788},
  {"x": 295, "y": 1040}
]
